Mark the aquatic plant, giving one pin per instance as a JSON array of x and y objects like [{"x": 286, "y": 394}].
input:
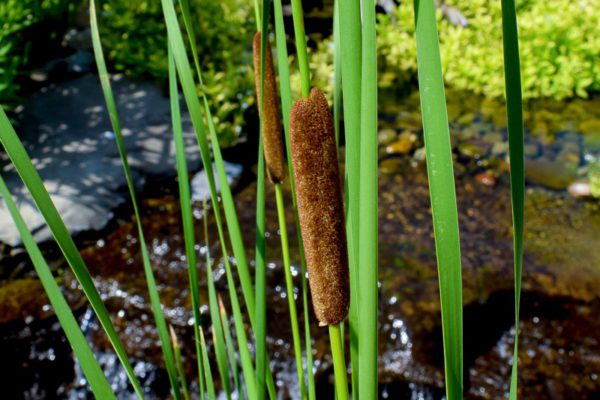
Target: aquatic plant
[{"x": 338, "y": 237}]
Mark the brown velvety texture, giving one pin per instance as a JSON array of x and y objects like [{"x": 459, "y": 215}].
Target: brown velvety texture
[
  {"x": 320, "y": 206},
  {"x": 271, "y": 129}
]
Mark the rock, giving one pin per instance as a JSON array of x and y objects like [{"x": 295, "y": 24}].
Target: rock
[
  {"x": 78, "y": 39},
  {"x": 420, "y": 154},
  {"x": 402, "y": 146},
  {"x": 386, "y": 136},
  {"x": 485, "y": 178},
  {"x": 499, "y": 148},
  {"x": 199, "y": 184},
  {"x": 580, "y": 190},
  {"x": 552, "y": 174},
  {"x": 66, "y": 131},
  {"x": 493, "y": 137},
  {"x": 473, "y": 149},
  {"x": 531, "y": 149},
  {"x": 391, "y": 166}
]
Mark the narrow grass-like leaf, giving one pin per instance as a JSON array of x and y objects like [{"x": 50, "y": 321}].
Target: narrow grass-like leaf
[
  {"x": 16, "y": 152},
  {"x": 441, "y": 187},
  {"x": 351, "y": 61},
  {"x": 231, "y": 217},
  {"x": 514, "y": 107},
  {"x": 194, "y": 107},
  {"x": 179, "y": 363},
  {"x": 187, "y": 218},
  {"x": 367, "y": 255},
  {"x": 91, "y": 369},
  {"x": 207, "y": 372},
  {"x": 230, "y": 344},
  {"x": 218, "y": 339},
  {"x": 159, "y": 317}
]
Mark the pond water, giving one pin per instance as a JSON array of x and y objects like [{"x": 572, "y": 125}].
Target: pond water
[{"x": 559, "y": 345}]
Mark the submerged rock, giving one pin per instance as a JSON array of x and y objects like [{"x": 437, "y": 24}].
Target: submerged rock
[{"x": 552, "y": 174}]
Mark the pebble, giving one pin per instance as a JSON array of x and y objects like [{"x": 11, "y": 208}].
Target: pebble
[
  {"x": 485, "y": 178},
  {"x": 402, "y": 146},
  {"x": 580, "y": 190},
  {"x": 386, "y": 136}
]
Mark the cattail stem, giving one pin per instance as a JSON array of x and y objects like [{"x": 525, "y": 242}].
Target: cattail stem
[
  {"x": 289, "y": 285},
  {"x": 301, "y": 50},
  {"x": 339, "y": 363}
]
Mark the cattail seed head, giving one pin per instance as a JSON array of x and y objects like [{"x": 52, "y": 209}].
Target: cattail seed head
[
  {"x": 271, "y": 121},
  {"x": 320, "y": 206}
]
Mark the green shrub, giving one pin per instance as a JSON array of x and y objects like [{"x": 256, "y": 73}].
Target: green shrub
[
  {"x": 16, "y": 16},
  {"x": 559, "y": 46},
  {"x": 134, "y": 38}
]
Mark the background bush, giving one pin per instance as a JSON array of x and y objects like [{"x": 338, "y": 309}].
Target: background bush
[
  {"x": 18, "y": 19},
  {"x": 559, "y": 46},
  {"x": 134, "y": 38}
]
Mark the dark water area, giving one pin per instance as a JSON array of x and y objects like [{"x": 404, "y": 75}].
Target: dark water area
[{"x": 559, "y": 349}]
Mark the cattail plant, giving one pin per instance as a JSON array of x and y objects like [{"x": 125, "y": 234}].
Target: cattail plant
[
  {"x": 272, "y": 137},
  {"x": 320, "y": 207},
  {"x": 321, "y": 214},
  {"x": 271, "y": 117}
]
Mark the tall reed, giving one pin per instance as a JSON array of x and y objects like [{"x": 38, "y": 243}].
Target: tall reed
[
  {"x": 442, "y": 192},
  {"x": 514, "y": 109}
]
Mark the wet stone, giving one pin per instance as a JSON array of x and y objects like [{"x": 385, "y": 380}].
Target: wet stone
[{"x": 552, "y": 174}]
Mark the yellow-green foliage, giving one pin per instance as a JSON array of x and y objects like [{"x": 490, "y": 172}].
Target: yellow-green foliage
[
  {"x": 559, "y": 47},
  {"x": 134, "y": 37}
]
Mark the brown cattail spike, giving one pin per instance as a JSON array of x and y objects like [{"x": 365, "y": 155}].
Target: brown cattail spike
[
  {"x": 320, "y": 207},
  {"x": 271, "y": 121}
]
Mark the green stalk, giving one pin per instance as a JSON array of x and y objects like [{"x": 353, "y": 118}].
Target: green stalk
[
  {"x": 337, "y": 71},
  {"x": 301, "y": 49},
  {"x": 186, "y": 211},
  {"x": 442, "y": 192},
  {"x": 368, "y": 218},
  {"x": 215, "y": 316},
  {"x": 339, "y": 364},
  {"x": 260, "y": 332},
  {"x": 289, "y": 284},
  {"x": 514, "y": 107},
  {"x": 91, "y": 369},
  {"x": 286, "y": 105},
  {"x": 351, "y": 60}
]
